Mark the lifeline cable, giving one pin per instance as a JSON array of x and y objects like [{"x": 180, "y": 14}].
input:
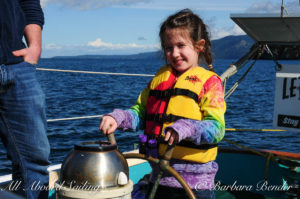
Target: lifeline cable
[
  {"x": 234, "y": 87},
  {"x": 93, "y": 72},
  {"x": 227, "y": 129}
]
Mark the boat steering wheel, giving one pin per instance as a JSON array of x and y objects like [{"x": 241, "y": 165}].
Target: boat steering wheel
[{"x": 164, "y": 166}]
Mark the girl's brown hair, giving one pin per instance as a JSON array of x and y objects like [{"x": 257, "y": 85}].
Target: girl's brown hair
[{"x": 186, "y": 19}]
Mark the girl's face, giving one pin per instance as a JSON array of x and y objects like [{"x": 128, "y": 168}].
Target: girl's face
[{"x": 180, "y": 50}]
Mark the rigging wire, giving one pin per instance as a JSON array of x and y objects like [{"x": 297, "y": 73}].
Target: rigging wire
[
  {"x": 227, "y": 129},
  {"x": 234, "y": 87},
  {"x": 278, "y": 65},
  {"x": 92, "y": 72},
  {"x": 74, "y": 118}
]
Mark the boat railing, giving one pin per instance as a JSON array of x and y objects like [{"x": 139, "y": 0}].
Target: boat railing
[{"x": 129, "y": 74}]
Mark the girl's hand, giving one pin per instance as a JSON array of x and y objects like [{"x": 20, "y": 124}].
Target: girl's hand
[
  {"x": 108, "y": 125},
  {"x": 171, "y": 136}
]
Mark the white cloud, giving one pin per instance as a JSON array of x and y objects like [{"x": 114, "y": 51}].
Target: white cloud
[
  {"x": 236, "y": 30},
  {"x": 44, "y": 3},
  {"x": 274, "y": 7},
  {"x": 195, "y": 5},
  {"x": 264, "y": 7},
  {"x": 170, "y": 5},
  {"x": 90, "y": 4},
  {"x": 97, "y": 47},
  {"x": 142, "y": 39},
  {"x": 98, "y": 43},
  {"x": 293, "y": 7},
  {"x": 218, "y": 33},
  {"x": 261, "y": 7},
  {"x": 52, "y": 47}
]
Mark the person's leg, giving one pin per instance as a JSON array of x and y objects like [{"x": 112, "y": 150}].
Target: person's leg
[{"x": 23, "y": 128}]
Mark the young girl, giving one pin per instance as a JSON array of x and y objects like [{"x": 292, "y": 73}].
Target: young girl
[{"x": 184, "y": 104}]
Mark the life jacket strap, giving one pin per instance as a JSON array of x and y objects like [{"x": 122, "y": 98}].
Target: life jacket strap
[
  {"x": 172, "y": 92},
  {"x": 187, "y": 143},
  {"x": 163, "y": 117},
  {"x": 190, "y": 144}
]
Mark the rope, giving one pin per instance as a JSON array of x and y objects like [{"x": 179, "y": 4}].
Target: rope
[
  {"x": 254, "y": 130},
  {"x": 74, "y": 118},
  {"x": 267, "y": 155},
  {"x": 244, "y": 147},
  {"x": 92, "y": 72},
  {"x": 279, "y": 159},
  {"x": 99, "y": 116}
]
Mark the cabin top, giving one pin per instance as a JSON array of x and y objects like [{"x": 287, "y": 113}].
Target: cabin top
[{"x": 270, "y": 28}]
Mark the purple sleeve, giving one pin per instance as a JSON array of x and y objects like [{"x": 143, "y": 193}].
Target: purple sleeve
[
  {"x": 199, "y": 132},
  {"x": 127, "y": 120}
]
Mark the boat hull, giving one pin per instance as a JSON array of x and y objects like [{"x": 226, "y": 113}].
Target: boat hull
[{"x": 242, "y": 174}]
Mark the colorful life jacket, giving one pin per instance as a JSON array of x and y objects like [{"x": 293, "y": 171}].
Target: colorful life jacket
[{"x": 172, "y": 98}]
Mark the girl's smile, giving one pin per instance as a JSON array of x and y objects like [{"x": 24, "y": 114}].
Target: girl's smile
[{"x": 179, "y": 50}]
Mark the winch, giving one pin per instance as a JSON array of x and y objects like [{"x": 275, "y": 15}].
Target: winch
[{"x": 94, "y": 170}]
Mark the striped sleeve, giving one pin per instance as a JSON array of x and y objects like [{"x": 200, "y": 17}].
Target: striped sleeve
[{"x": 212, "y": 105}]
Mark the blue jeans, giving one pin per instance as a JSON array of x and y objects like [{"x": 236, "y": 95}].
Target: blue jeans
[{"x": 23, "y": 128}]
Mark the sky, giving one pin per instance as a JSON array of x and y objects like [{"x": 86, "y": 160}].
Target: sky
[{"x": 117, "y": 27}]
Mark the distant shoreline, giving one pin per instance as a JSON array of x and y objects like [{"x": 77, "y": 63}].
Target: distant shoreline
[{"x": 230, "y": 47}]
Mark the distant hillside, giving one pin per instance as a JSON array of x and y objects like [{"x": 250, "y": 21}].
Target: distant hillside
[
  {"x": 146, "y": 55},
  {"x": 231, "y": 47}
]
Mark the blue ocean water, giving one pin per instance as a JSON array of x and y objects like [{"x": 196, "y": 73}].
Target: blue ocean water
[{"x": 73, "y": 95}]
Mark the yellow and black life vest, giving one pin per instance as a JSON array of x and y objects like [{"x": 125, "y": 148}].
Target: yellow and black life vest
[{"x": 172, "y": 98}]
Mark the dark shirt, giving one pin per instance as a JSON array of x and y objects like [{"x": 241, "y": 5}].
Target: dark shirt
[{"x": 14, "y": 16}]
